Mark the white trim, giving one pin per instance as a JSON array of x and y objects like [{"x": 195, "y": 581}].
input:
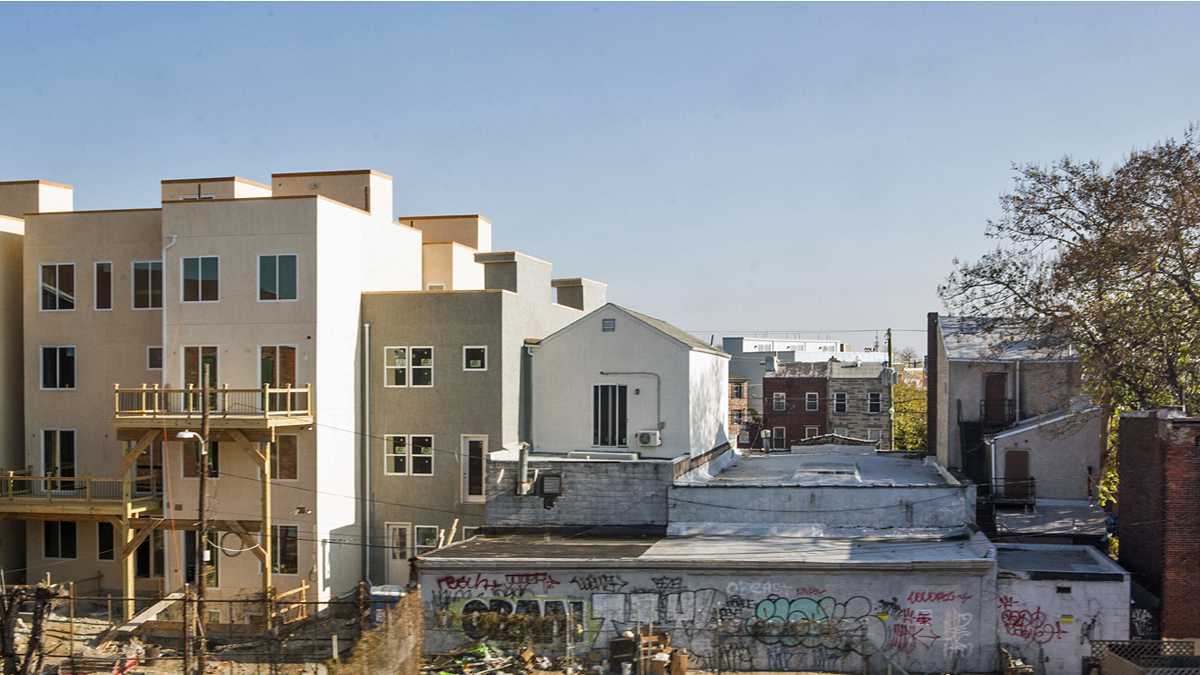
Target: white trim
[
  {"x": 161, "y": 357},
  {"x": 96, "y": 286},
  {"x": 1057, "y": 417},
  {"x": 75, "y": 278},
  {"x": 162, "y": 278},
  {"x": 485, "y": 359},
  {"x": 880, "y": 395},
  {"x": 387, "y": 368},
  {"x": 437, "y": 530},
  {"x": 408, "y": 455},
  {"x": 408, "y": 546},
  {"x": 815, "y": 399},
  {"x": 387, "y": 445},
  {"x": 412, "y": 364},
  {"x": 844, "y": 402},
  {"x": 619, "y": 431},
  {"x": 464, "y": 457},
  {"x": 816, "y": 431},
  {"x": 258, "y": 276},
  {"x": 42, "y": 367},
  {"x": 200, "y": 289},
  {"x": 776, "y": 398}
]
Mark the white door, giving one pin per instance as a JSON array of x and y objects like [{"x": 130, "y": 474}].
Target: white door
[{"x": 397, "y": 553}]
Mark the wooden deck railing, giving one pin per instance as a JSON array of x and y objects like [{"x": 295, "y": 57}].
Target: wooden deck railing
[
  {"x": 152, "y": 401},
  {"x": 21, "y": 486}
]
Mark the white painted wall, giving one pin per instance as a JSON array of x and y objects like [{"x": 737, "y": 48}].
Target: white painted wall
[
  {"x": 567, "y": 364},
  {"x": 708, "y": 407}
]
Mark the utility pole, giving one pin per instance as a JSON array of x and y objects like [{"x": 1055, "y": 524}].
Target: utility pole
[
  {"x": 891, "y": 395},
  {"x": 202, "y": 534}
]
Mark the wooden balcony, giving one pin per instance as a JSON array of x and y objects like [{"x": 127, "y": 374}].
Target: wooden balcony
[
  {"x": 30, "y": 496},
  {"x": 265, "y": 408}
]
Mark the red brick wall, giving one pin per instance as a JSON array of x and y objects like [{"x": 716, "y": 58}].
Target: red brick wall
[
  {"x": 738, "y": 404},
  {"x": 796, "y": 417},
  {"x": 1160, "y": 515}
]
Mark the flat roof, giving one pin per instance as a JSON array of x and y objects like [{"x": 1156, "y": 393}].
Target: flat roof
[
  {"x": 346, "y": 172},
  {"x": 1057, "y": 562},
  {"x": 827, "y": 465},
  {"x": 220, "y": 179},
  {"x": 1069, "y": 517},
  {"x": 39, "y": 181},
  {"x": 708, "y": 552}
]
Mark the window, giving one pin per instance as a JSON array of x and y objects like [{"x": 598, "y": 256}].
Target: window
[
  {"x": 422, "y": 366},
  {"x": 283, "y": 458},
  {"x": 395, "y": 366},
  {"x": 58, "y": 367},
  {"x": 474, "y": 463},
  {"x": 194, "y": 361},
  {"x": 736, "y": 416},
  {"x": 475, "y": 358},
  {"x": 58, "y": 287},
  {"x": 58, "y": 539},
  {"x": 737, "y": 391},
  {"x": 148, "y": 559},
  {"x": 425, "y": 537},
  {"x": 408, "y": 455},
  {"x": 147, "y": 284},
  {"x": 201, "y": 279},
  {"x": 840, "y": 402},
  {"x": 102, "y": 286},
  {"x": 398, "y": 541},
  {"x": 779, "y": 438},
  {"x": 608, "y": 415},
  {"x": 191, "y": 459},
  {"x": 285, "y": 558},
  {"x": 154, "y": 358},
  {"x": 608, "y": 325},
  {"x": 779, "y": 401},
  {"x": 104, "y": 541},
  {"x": 841, "y": 431},
  {"x": 422, "y": 455},
  {"x": 468, "y": 532},
  {"x": 435, "y": 287},
  {"x": 58, "y": 458},
  {"x": 211, "y": 566},
  {"x": 276, "y": 277},
  {"x": 812, "y": 401},
  {"x": 149, "y": 470},
  {"x": 874, "y": 402},
  {"x": 872, "y": 434},
  {"x": 812, "y": 432}
]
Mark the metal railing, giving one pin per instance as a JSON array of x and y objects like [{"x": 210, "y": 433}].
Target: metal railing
[
  {"x": 1004, "y": 491},
  {"x": 22, "y": 487},
  {"x": 152, "y": 401},
  {"x": 994, "y": 413}
]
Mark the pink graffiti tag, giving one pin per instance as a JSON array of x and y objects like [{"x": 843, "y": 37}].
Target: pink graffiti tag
[
  {"x": 1029, "y": 625},
  {"x": 911, "y": 629},
  {"x": 926, "y": 597}
]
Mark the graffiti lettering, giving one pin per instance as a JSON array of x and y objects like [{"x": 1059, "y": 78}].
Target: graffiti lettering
[
  {"x": 911, "y": 628},
  {"x": 926, "y": 597},
  {"x": 667, "y": 584},
  {"x": 807, "y": 622},
  {"x": 606, "y": 583},
  {"x": 955, "y": 633},
  {"x": 757, "y": 588},
  {"x": 1028, "y": 625}
]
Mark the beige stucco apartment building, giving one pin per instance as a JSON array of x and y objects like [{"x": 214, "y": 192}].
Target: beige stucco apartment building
[{"x": 274, "y": 289}]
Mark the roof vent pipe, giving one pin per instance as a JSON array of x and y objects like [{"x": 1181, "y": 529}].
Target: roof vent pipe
[{"x": 524, "y": 485}]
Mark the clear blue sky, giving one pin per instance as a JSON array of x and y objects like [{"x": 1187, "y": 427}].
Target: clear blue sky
[{"x": 768, "y": 166}]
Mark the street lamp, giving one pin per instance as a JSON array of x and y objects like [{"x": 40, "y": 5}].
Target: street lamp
[{"x": 186, "y": 435}]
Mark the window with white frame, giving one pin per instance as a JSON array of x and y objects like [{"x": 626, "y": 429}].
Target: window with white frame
[
  {"x": 398, "y": 539},
  {"x": 474, "y": 463},
  {"x": 201, "y": 279},
  {"x": 421, "y": 367},
  {"x": 812, "y": 401},
  {"x": 285, "y": 549},
  {"x": 147, "y": 284},
  {"x": 841, "y": 431},
  {"x": 58, "y": 287},
  {"x": 872, "y": 434},
  {"x": 395, "y": 366},
  {"x": 425, "y": 538},
  {"x": 475, "y": 358},
  {"x": 779, "y": 437},
  {"x": 779, "y": 401},
  {"x": 737, "y": 390},
  {"x": 102, "y": 286},
  {"x": 468, "y": 532},
  {"x": 812, "y": 432},
  {"x": 154, "y": 358},
  {"x": 58, "y": 367},
  {"x": 874, "y": 402},
  {"x": 841, "y": 402},
  {"x": 408, "y": 455},
  {"x": 277, "y": 277}
]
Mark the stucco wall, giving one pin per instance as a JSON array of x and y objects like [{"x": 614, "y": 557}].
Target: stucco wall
[
  {"x": 1060, "y": 454},
  {"x": 12, "y": 400},
  {"x": 568, "y": 364},
  {"x": 708, "y": 408},
  {"x": 939, "y": 621}
]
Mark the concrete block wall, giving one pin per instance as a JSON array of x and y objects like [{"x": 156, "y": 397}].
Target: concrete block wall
[{"x": 602, "y": 493}]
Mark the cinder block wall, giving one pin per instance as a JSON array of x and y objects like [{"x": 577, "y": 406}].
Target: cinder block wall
[{"x": 593, "y": 493}]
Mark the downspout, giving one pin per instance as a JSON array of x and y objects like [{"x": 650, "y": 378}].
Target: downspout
[
  {"x": 366, "y": 452},
  {"x": 1017, "y": 392},
  {"x": 163, "y": 339},
  {"x": 657, "y": 389}
]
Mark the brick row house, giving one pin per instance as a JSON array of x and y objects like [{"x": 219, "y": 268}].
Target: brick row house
[{"x": 846, "y": 398}]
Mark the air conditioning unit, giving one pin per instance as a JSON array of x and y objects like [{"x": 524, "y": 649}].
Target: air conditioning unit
[{"x": 650, "y": 438}]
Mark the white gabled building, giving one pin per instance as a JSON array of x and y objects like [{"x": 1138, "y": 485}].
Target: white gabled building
[{"x": 617, "y": 380}]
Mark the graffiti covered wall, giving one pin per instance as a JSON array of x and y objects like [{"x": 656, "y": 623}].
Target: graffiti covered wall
[
  {"x": 1052, "y": 622},
  {"x": 782, "y": 621}
]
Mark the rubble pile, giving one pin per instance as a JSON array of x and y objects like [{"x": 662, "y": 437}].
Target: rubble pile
[{"x": 486, "y": 657}]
